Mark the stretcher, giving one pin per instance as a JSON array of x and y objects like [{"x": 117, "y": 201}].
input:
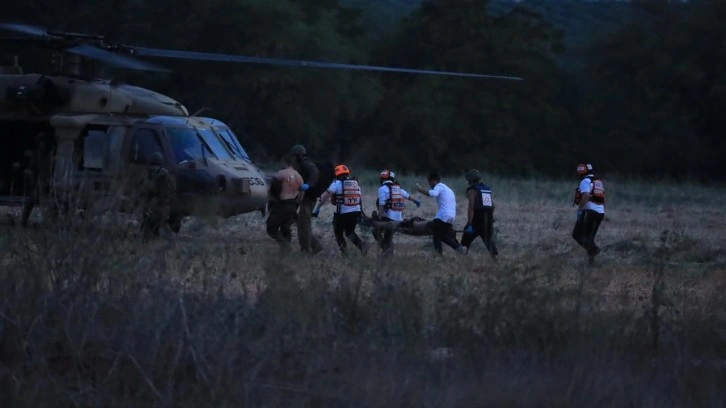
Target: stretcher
[{"x": 415, "y": 226}]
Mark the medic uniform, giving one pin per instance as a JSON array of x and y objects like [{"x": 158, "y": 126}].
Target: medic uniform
[
  {"x": 393, "y": 200},
  {"x": 592, "y": 213},
  {"x": 346, "y": 196}
]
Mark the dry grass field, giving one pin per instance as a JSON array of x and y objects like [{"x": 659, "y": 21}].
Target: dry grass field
[{"x": 214, "y": 316}]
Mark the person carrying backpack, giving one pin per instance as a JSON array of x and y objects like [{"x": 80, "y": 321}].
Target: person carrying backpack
[{"x": 590, "y": 201}]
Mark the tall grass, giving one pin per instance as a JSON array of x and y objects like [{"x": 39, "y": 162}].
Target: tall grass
[{"x": 90, "y": 316}]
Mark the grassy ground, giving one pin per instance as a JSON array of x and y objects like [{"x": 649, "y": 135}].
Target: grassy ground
[{"x": 89, "y": 316}]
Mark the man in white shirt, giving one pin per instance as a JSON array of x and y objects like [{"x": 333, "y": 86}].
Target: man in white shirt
[
  {"x": 442, "y": 224},
  {"x": 346, "y": 196},
  {"x": 590, "y": 201},
  {"x": 390, "y": 204}
]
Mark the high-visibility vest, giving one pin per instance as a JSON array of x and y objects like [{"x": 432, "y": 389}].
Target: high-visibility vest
[
  {"x": 395, "y": 200},
  {"x": 597, "y": 192},
  {"x": 351, "y": 195}
]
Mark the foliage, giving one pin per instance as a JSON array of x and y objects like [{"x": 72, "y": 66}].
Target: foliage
[
  {"x": 463, "y": 123},
  {"x": 665, "y": 75},
  {"x": 91, "y": 316},
  {"x": 635, "y": 87}
]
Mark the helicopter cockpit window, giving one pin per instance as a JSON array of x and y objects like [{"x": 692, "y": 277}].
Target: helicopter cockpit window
[
  {"x": 187, "y": 144},
  {"x": 145, "y": 143},
  {"x": 230, "y": 140},
  {"x": 215, "y": 144}
]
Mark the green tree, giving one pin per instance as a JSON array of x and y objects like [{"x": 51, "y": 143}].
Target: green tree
[
  {"x": 658, "y": 90},
  {"x": 453, "y": 123},
  {"x": 278, "y": 106}
]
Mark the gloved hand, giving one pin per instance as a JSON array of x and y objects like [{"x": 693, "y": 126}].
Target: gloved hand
[
  {"x": 418, "y": 203},
  {"x": 316, "y": 212},
  {"x": 304, "y": 187},
  {"x": 468, "y": 229},
  {"x": 580, "y": 215}
]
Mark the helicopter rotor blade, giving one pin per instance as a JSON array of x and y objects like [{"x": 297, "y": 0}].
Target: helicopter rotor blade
[
  {"x": 164, "y": 53},
  {"x": 111, "y": 58},
  {"x": 25, "y": 29}
]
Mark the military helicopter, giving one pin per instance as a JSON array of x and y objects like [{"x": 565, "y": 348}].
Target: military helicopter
[{"x": 77, "y": 141}]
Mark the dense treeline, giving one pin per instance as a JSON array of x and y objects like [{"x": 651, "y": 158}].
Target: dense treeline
[{"x": 641, "y": 98}]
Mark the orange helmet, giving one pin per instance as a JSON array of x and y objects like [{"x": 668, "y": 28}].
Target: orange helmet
[
  {"x": 583, "y": 169},
  {"x": 341, "y": 170},
  {"x": 387, "y": 175}
]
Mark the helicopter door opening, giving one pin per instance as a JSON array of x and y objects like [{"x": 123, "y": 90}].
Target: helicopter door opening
[
  {"x": 144, "y": 143},
  {"x": 25, "y": 159},
  {"x": 90, "y": 149},
  {"x": 96, "y": 155},
  {"x": 97, "y": 151}
]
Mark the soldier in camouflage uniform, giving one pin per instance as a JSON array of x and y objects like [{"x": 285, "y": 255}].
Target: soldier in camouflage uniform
[
  {"x": 157, "y": 192},
  {"x": 309, "y": 243}
]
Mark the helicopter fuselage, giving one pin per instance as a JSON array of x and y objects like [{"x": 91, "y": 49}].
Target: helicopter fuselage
[{"x": 90, "y": 159}]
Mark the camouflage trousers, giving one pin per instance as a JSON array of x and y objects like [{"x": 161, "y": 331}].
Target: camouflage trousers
[
  {"x": 153, "y": 218},
  {"x": 308, "y": 241}
]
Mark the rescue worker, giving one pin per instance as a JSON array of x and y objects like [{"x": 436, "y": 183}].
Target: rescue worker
[
  {"x": 346, "y": 196},
  {"x": 158, "y": 189},
  {"x": 480, "y": 214},
  {"x": 590, "y": 201},
  {"x": 285, "y": 196},
  {"x": 310, "y": 174},
  {"x": 390, "y": 204},
  {"x": 442, "y": 224}
]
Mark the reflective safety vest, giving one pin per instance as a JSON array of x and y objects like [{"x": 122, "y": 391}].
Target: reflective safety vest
[
  {"x": 597, "y": 193},
  {"x": 351, "y": 196},
  {"x": 483, "y": 199},
  {"x": 395, "y": 201}
]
